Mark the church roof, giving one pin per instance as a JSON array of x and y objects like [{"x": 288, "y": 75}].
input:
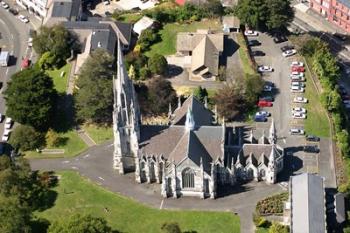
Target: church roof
[
  {"x": 201, "y": 115},
  {"x": 259, "y": 152}
]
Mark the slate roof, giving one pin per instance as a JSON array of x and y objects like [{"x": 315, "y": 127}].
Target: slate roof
[
  {"x": 62, "y": 9},
  {"x": 188, "y": 41},
  {"x": 105, "y": 39},
  {"x": 231, "y": 22},
  {"x": 308, "y": 204},
  {"x": 260, "y": 153},
  {"x": 201, "y": 115}
]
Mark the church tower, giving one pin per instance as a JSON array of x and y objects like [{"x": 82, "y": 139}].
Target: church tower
[{"x": 126, "y": 119}]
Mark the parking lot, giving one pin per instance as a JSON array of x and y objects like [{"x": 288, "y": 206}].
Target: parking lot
[{"x": 297, "y": 161}]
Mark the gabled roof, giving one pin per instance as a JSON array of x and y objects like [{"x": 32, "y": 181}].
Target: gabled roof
[
  {"x": 205, "y": 57},
  {"x": 260, "y": 152},
  {"x": 202, "y": 115},
  {"x": 308, "y": 204},
  {"x": 144, "y": 23}
]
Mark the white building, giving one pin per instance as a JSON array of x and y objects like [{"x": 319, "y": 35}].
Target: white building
[{"x": 37, "y": 7}]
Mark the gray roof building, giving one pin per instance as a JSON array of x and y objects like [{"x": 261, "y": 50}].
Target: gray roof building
[
  {"x": 63, "y": 11},
  {"x": 307, "y": 196}
]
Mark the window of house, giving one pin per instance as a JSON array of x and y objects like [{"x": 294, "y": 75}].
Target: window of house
[{"x": 188, "y": 178}]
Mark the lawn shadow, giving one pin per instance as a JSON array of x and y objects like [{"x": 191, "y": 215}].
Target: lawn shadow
[{"x": 40, "y": 225}]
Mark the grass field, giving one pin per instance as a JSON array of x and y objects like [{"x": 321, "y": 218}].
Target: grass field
[
  {"x": 73, "y": 145},
  {"x": 99, "y": 134},
  {"x": 316, "y": 122},
  {"x": 167, "y": 45},
  {"x": 129, "y": 18},
  {"x": 244, "y": 56},
  {"x": 60, "y": 82},
  {"x": 262, "y": 230},
  {"x": 77, "y": 195}
]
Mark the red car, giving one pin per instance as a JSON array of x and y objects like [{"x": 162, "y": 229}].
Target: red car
[
  {"x": 298, "y": 69},
  {"x": 264, "y": 103}
]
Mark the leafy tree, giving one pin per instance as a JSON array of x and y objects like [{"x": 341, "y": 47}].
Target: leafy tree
[
  {"x": 94, "y": 98},
  {"x": 229, "y": 102},
  {"x": 81, "y": 224},
  {"x": 147, "y": 38},
  {"x": 57, "y": 40},
  {"x": 343, "y": 139},
  {"x": 25, "y": 137},
  {"x": 253, "y": 86},
  {"x": 158, "y": 64},
  {"x": 145, "y": 73},
  {"x": 132, "y": 73},
  {"x": 30, "y": 97},
  {"x": 172, "y": 227},
  {"x": 52, "y": 138},
  {"x": 156, "y": 96},
  {"x": 47, "y": 61},
  {"x": 15, "y": 216},
  {"x": 264, "y": 14},
  {"x": 278, "y": 228}
]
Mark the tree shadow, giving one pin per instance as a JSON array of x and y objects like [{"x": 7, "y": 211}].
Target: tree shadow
[
  {"x": 174, "y": 70},
  {"x": 40, "y": 225},
  {"x": 64, "y": 114},
  {"x": 230, "y": 48}
]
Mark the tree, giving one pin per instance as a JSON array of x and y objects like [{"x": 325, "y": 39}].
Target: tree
[
  {"x": 278, "y": 228},
  {"x": 158, "y": 64},
  {"x": 264, "y": 14},
  {"x": 94, "y": 98},
  {"x": 47, "y": 61},
  {"x": 30, "y": 98},
  {"x": 145, "y": 73},
  {"x": 253, "y": 86},
  {"x": 80, "y": 224},
  {"x": 200, "y": 93},
  {"x": 132, "y": 73},
  {"x": 25, "y": 137},
  {"x": 57, "y": 40},
  {"x": 15, "y": 216},
  {"x": 229, "y": 102},
  {"x": 147, "y": 38},
  {"x": 172, "y": 227},
  {"x": 52, "y": 138},
  {"x": 156, "y": 96}
]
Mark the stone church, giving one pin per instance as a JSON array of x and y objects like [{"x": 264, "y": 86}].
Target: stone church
[{"x": 191, "y": 155}]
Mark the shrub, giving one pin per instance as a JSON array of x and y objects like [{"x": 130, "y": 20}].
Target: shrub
[
  {"x": 52, "y": 138},
  {"x": 158, "y": 64},
  {"x": 26, "y": 138},
  {"x": 145, "y": 73}
]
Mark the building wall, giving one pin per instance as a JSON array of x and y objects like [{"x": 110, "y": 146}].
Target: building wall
[{"x": 38, "y": 7}]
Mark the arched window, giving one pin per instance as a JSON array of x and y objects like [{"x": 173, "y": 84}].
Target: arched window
[{"x": 188, "y": 178}]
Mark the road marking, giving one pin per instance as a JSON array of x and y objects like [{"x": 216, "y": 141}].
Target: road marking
[
  {"x": 101, "y": 178},
  {"x": 161, "y": 204},
  {"x": 7, "y": 70},
  {"x": 284, "y": 141},
  {"x": 66, "y": 161},
  {"x": 75, "y": 168},
  {"x": 86, "y": 156}
]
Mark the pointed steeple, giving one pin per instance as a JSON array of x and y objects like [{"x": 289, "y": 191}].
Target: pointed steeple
[
  {"x": 170, "y": 112},
  {"x": 190, "y": 124},
  {"x": 263, "y": 138},
  {"x": 179, "y": 102},
  {"x": 272, "y": 133},
  {"x": 205, "y": 101}
]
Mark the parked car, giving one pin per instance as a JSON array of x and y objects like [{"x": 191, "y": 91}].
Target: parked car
[
  {"x": 1, "y": 117},
  {"x": 23, "y": 18},
  {"x": 260, "y": 119},
  {"x": 2, "y": 148},
  {"x": 347, "y": 106},
  {"x": 296, "y": 131},
  {"x": 297, "y": 63},
  {"x": 300, "y": 99},
  {"x": 253, "y": 43},
  {"x": 250, "y": 33},
  {"x": 298, "y": 84},
  {"x": 289, "y": 53},
  {"x": 257, "y": 53},
  {"x": 298, "y": 115},
  {"x": 287, "y": 47},
  {"x": 108, "y": 14},
  {"x": 4, "y": 5},
  {"x": 296, "y": 73},
  {"x": 106, "y": 2},
  {"x": 345, "y": 97},
  {"x": 265, "y": 69},
  {"x": 297, "y": 89},
  {"x": 267, "y": 88},
  {"x": 263, "y": 113},
  {"x": 312, "y": 138},
  {"x": 298, "y": 109},
  {"x": 13, "y": 11},
  {"x": 30, "y": 42},
  {"x": 297, "y": 78},
  {"x": 279, "y": 38},
  {"x": 267, "y": 98},
  {"x": 346, "y": 101},
  {"x": 264, "y": 103},
  {"x": 6, "y": 135},
  {"x": 8, "y": 123},
  {"x": 299, "y": 69},
  {"x": 311, "y": 149}
]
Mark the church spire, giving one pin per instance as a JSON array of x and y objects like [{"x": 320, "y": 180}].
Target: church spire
[
  {"x": 272, "y": 133},
  {"x": 189, "y": 120}
]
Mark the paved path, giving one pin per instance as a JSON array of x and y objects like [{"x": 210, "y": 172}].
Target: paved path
[{"x": 95, "y": 164}]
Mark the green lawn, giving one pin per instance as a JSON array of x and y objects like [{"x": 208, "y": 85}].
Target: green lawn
[
  {"x": 244, "y": 55},
  {"x": 60, "y": 83},
  {"x": 99, "y": 134},
  {"x": 167, "y": 45},
  {"x": 77, "y": 195},
  {"x": 262, "y": 230},
  {"x": 73, "y": 146},
  {"x": 316, "y": 122},
  {"x": 130, "y": 18}
]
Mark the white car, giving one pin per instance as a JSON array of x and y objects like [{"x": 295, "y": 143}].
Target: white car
[
  {"x": 297, "y": 78},
  {"x": 265, "y": 69},
  {"x": 300, "y": 99},
  {"x": 297, "y": 89},
  {"x": 23, "y": 18},
  {"x": 298, "y": 109},
  {"x": 297, "y": 63},
  {"x": 263, "y": 113},
  {"x": 299, "y": 115},
  {"x": 30, "y": 42},
  {"x": 106, "y": 2},
  {"x": 4, "y": 5},
  {"x": 250, "y": 33},
  {"x": 295, "y": 73},
  {"x": 8, "y": 123},
  {"x": 298, "y": 84},
  {"x": 5, "y": 138},
  {"x": 295, "y": 131},
  {"x": 289, "y": 53},
  {"x": 1, "y": 117}
]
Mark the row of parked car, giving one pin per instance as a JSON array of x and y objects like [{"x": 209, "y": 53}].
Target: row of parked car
[
  {"x": 7, "y": 128},
  {"x": 23, "y": 18}
]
